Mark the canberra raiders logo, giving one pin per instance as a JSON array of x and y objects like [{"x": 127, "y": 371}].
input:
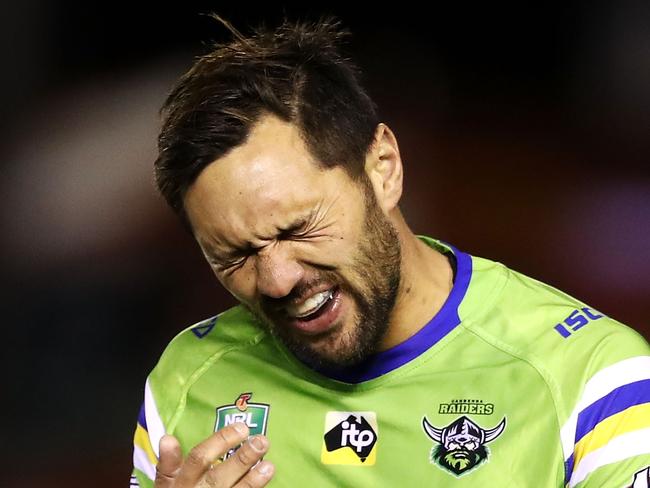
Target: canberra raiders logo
[{"x": 461, "y": 444}]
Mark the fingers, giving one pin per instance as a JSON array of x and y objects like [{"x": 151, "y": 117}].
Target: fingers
[
  {"x": 257, "y": 477},
  {"x": 201, "y": 457},
  {"x": 170, "y": 462},
  {"x": 239, "y": 464},
  {"x": 242, "y": 470}
]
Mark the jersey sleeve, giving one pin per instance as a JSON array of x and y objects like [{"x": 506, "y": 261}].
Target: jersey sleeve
[
  {"x": 598, "y": 371},
  {"x": 148, "y": 431},
  {"x": 606, "y": 438},
  {"x": 165, "y": 392}
]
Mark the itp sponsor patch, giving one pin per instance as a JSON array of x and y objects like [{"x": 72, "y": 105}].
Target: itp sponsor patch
[{"x": 350, "y": 438}]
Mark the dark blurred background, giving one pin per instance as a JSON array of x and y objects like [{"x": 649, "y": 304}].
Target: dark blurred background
[{"x": 524, "y": 131}]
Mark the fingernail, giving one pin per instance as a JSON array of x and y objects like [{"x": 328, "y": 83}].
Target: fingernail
[
  {"x": 264, "y": 468},
  {"x": 239, "y": 427},
  {"x": 257, "y": 443}
]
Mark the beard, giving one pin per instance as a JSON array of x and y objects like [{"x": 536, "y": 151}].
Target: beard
[
  {"x": 459, "y": 460},
  {"x": 376, "y": 272}
]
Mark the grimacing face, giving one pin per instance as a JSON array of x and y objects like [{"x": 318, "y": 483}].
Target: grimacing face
[{"x": 306, "y": 249}]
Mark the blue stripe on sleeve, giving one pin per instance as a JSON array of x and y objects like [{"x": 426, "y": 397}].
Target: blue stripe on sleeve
[
  {"x": 623, "y": 397},
  {"x": 142, "y": 419},
  {"x": 568, "y": 469}
]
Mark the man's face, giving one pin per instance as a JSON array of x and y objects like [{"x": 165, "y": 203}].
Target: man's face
[{"x": 307, "y": 250}]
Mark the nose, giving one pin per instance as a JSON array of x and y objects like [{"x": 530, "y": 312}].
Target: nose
[{"x": 278, "y": 272}]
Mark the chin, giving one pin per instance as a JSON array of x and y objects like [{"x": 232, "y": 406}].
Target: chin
[
  {"x": 335, "y": 351},
  {"x": 343, "y": 346}
]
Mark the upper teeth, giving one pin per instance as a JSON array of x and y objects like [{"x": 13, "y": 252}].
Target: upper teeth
[{"x": 310, "y": 305}]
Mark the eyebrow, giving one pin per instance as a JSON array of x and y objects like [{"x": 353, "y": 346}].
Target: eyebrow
[
  {"x": 235, "y": 251},
  {"x": 296, "y": 224}
]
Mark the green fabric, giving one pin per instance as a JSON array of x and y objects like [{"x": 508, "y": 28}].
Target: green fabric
[{"x": 504, "y": 361}]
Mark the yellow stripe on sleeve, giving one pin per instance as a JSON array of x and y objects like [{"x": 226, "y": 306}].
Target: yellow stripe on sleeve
[
  {"x": 630, "y": 419},
  {"x": 141, "y": 439}
]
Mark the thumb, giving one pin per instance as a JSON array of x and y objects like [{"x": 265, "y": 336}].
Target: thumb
[{"x": 169, "y": 463}]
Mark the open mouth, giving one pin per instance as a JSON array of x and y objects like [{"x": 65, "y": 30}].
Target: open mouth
[
  {"x": 316, "y": 305},
  {"x": 318, "y": 313}
]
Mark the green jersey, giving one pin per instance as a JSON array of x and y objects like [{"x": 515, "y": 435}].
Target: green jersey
[{"x": 511, "y": 384}]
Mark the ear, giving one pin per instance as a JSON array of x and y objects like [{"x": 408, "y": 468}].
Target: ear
[{"x": 384, "y": 168}]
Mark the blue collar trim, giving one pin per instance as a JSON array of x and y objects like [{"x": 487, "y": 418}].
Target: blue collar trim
[{"x": 438, "y": 327}]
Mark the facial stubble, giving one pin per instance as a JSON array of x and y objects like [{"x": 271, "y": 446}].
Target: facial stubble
[{"x": 376, "y": 269}]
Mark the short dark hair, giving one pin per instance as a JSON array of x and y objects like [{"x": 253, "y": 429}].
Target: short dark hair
[{"x": 296, "y": 71}]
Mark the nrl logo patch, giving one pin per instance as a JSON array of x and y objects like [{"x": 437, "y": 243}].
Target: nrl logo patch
[
  {"x": 461, "y": 444},
  {"x": 254, "y": 415}
]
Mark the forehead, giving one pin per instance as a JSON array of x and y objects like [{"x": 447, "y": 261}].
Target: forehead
[{"x": 265, "y": 183}]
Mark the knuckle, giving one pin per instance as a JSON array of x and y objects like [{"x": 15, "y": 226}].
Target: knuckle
[
  {"x": 227, "y": 438},
  {"x": 257, "y": 478},
  {"x": 247, "y": 483},
  {"x": 162, "y": 477},
  {"x": 198, "y": 457},
  {"x": 223, "y": 436},
  {"x": 245, "y": 455},
  {"x": 214, "y": 477}
]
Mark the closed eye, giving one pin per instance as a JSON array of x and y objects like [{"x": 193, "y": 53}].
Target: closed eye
[
  {"x": 230, "y": 264},
  {"x": 297, "y": 230},
  {"x": 309, "y": 228},
  {"x": 294, "y": 234}
]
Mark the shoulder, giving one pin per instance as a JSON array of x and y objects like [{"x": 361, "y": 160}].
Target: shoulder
[
  {"x": 571, "y": 343},
  {"x": 567, "y": 340},
  {"x": 543, "y": 323},
  {"x": 197, "y": 348},
  {"x": 596, "y": 368},
  {"x": 233, "y": 328},
  {"x": 183, "y": 362}
]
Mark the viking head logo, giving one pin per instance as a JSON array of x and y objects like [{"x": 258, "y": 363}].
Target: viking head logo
[{"x": 461, "y": 444}]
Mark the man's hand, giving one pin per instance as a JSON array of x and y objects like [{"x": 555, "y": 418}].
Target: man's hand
[{"x": 201, "y": 468}]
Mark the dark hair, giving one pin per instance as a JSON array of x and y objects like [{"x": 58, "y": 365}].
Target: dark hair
[{"x": 296, "y": 72}]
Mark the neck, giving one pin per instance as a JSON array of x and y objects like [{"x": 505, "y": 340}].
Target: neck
[{"x": 425, "y": 283}]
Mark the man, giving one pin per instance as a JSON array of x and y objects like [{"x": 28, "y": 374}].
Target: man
[{"x": 361, "y": 354}]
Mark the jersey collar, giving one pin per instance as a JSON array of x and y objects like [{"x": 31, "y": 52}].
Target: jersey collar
[{"x": 435, "y": 330}]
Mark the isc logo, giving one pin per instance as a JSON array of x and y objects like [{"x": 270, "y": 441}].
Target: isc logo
[
  {"x": 350, "y": 438},
  {"x": 577, "y": 320}
]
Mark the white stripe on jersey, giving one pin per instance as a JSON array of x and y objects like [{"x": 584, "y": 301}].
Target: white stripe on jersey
[
  {"x": 155, "y": 426},
  {"x": 603, "y": 382},
  {"x": 622, "y": 447},
  {"x": 141, "y": 462}
]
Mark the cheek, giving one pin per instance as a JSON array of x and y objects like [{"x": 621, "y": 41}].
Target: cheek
[
  {"x": 337, "y": 252},
  {"x": 241, "y": 283},
  {"x": 340, "y": 247}
]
